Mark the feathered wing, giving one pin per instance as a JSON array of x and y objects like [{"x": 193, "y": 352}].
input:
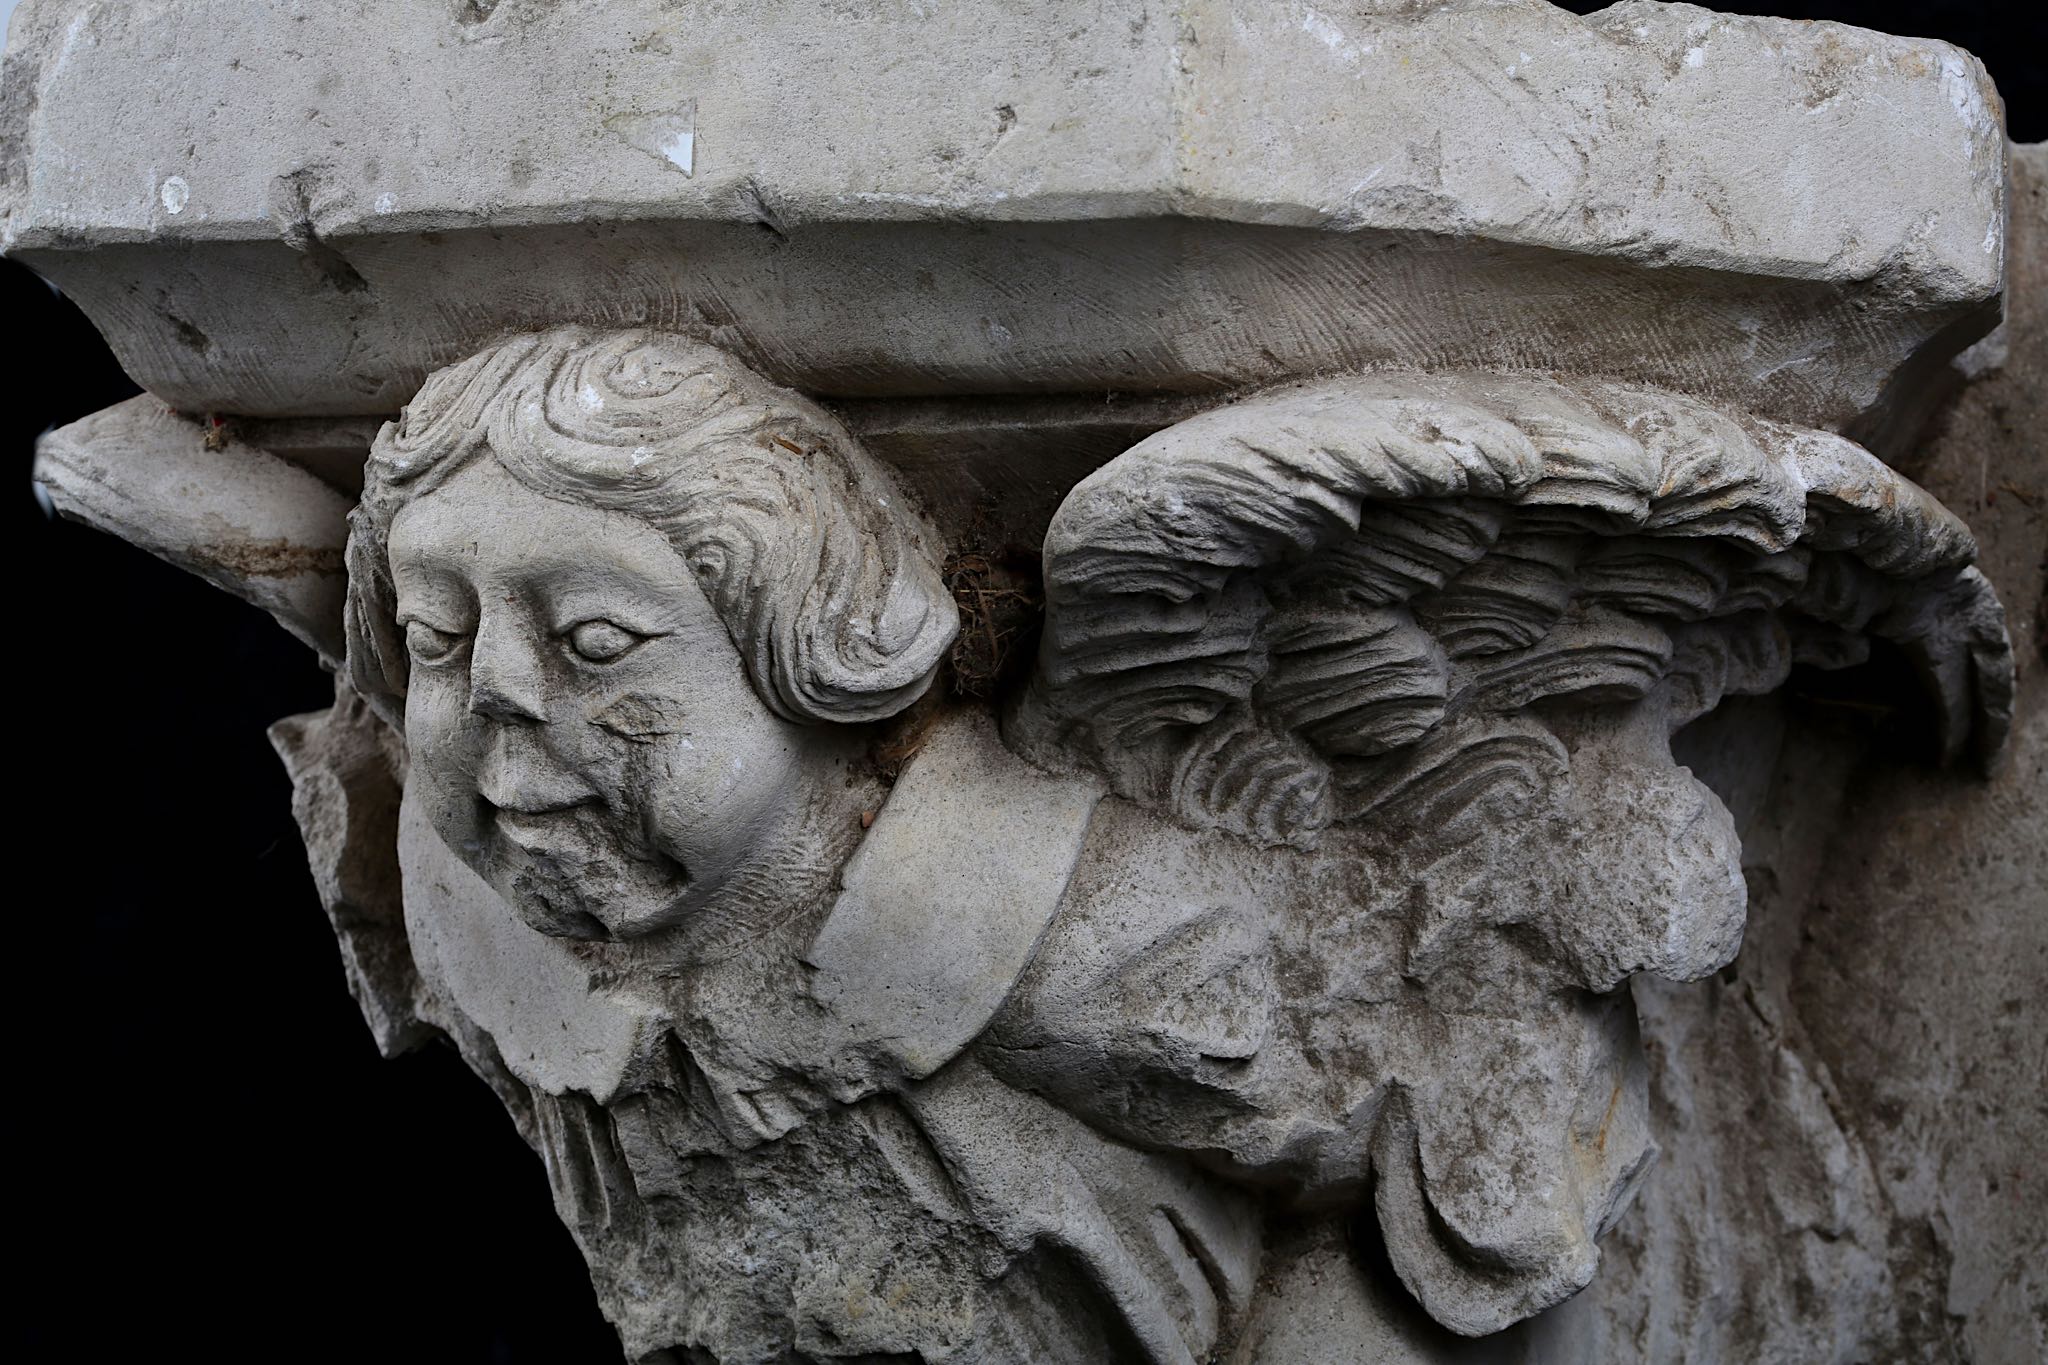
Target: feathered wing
[
  {"x": 1424, "y": 638},
  {"x": 1251, "y": 614}
]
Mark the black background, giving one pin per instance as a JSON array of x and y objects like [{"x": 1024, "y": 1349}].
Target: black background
[{"x": 211, "y": 1157}]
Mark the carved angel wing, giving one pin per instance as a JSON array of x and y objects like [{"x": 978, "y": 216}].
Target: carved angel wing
[
  {"x": 1273, "y": 616},
  {"x": 1439, "y": 628}
]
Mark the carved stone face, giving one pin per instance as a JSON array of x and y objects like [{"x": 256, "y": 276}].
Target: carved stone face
[{"x": 581, "y": 727}]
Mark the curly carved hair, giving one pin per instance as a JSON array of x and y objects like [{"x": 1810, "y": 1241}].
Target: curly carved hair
[{"x": 826, "y": 578}]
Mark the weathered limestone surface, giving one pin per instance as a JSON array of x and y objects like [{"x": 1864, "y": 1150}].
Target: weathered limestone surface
[
  {"x": 1882, "y": 1035},
  {"x": 233, "y": 513},
  {"x": 907, "y": 199},
  {"x": 1115, "y": 682}
]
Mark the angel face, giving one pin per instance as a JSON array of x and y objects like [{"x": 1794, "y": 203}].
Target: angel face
[{"x": 581, "y": 727}]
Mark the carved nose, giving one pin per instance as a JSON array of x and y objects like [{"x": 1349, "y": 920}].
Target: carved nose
[{"x": 504, "y": 674}]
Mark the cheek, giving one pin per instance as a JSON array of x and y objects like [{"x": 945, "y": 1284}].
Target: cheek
[
  {"x": 441, "y": 742},
  {"x": 709, "y": 795},
  {"x": 430, "y": 716},
  {"x": 710, "y": 776},
  {"x": 694, "y": 753}
]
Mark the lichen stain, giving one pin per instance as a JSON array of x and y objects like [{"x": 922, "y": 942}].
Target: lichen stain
[{"x": 273, "y": 558}]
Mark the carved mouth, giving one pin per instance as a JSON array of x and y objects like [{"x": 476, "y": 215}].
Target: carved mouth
[
  {"x": 574, "y": 865},
  {"x": 574, "y": 840},
  {"x": 543, "y": 828}
]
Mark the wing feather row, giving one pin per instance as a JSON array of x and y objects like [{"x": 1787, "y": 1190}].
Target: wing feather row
[{"x": 1240, "y": 606}]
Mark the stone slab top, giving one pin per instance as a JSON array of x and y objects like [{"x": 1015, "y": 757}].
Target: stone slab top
[
  {"x": 180, "y": 143},
  {"x": 1660, "y": 132}
]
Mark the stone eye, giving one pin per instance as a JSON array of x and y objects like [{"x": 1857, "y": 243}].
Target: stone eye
[
  {"x": 600, "y": 641},
  {"x": 429, "y": 645}
]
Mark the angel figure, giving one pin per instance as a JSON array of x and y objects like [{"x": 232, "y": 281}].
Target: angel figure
[{"x": 1288, "y": 906}]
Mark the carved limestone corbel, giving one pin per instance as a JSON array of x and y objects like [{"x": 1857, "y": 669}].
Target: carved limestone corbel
[{"x": 1117, "y": 979}]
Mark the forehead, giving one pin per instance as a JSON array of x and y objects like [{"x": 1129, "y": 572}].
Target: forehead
[{"x": 483, "y": 523}]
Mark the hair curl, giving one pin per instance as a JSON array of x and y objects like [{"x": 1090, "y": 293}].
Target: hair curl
[{"x": 826, "y": 578}]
